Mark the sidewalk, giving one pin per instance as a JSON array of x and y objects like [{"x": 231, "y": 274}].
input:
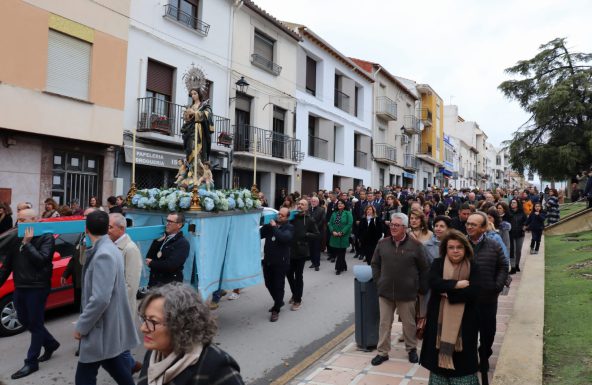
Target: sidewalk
[{"x": 347, "y": 365}]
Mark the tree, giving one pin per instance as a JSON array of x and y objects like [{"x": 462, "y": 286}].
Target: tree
[{"x": 555, "y": 89}]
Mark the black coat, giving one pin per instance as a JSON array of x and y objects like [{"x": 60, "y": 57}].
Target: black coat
[
  {"x": 465, "y": 362},
  {"x": 169, "y": 267},
  {"x": 6, "y": 223},
  {"x": 278, "y": 241},
  {"x": 493, "y": 269},
  {"x": 31, "y": 264},
  {"x": 370, "y": 234},
  {"x": 214, "y": 366},
  {"x": 536, "y": 222},
  {"x": 305, "y": 230},
  {"x": 518, "y": 221},
  {"x": 459, "y": 225}
]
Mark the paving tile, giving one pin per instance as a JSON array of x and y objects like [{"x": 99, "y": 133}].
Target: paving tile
[
  {"x": 416, "y": 381},
  {"x": 351, "y": 362},
  {"x": 421, "y": 372},
  {"x": 377, "y": 379},
  {"x": 393, "y": 367},
  {"x": 335, "y": 376}
]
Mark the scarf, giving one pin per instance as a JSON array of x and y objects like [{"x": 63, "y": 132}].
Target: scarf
[
  {"x": 163, "y": 370},
  {"x": 449, "y": 338},
  {"x": 338, "y": 218}
]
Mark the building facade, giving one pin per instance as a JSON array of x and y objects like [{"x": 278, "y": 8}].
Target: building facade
[
  {"x": 431, "y": 153},
  {"x": 62, "y": 96},
  {"x": 333, "y": 117},
  {"x": 164, "y": 42}
]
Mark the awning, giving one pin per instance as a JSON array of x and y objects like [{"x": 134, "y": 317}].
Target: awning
[
  {"x": 408, "y": 175},
  {"x": 152, "y": 155},
  {"x": 446, "y": 172}
]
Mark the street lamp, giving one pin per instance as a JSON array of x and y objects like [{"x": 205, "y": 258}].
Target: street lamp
[{"x": 242, "y": 86}]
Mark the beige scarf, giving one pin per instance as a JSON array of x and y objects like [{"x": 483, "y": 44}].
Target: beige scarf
[
  {"x": 163, "y": 370},
  {"x": 449, "y": 338}
]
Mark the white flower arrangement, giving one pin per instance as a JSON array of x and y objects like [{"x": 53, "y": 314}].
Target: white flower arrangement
[{"x": 173, "y": 199}]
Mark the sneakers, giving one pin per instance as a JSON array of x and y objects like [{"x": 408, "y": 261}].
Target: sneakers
[
  {"x": 233, "y": 296},
  {"x": 274, "y": 316},
  {"x": 531, "y": 251},
  {"x": 296, "y": 306},
  {"x": 413, "y": 358},
  {"x": 379, "y": 359}
]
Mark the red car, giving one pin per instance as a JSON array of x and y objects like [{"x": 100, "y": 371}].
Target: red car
[{"x": 65, "y": 246}]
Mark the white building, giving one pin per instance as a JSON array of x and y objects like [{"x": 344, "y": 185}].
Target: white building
[
  {"x": 396, "y": 128},
  {"x": 333, "y": 117},
  {"x": 166, "y": 39},
  {"x": 264, "y": 55},
  {"x": 466, "y": 133}
]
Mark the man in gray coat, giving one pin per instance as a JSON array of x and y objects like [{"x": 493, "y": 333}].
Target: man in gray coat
[{"x": 105, "y": 327}]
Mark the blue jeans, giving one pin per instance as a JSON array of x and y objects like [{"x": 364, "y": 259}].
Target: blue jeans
[
  {"x": 30, "y": 309},
  {"x": 131, "y": 360},
  {"x": 117, "y": 367}
]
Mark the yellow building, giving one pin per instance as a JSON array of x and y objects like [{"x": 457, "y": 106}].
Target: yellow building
[
  {"x": 62, "y": 86},
  {"x": 431, "y": 150}
]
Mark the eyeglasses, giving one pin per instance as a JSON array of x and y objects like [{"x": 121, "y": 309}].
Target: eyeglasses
[
  {"x": 395, "y": 225},
  {"x": 150, "y": 324},
  {"x": 169, "y": 222},
  {"x": 469, "y": 224}
]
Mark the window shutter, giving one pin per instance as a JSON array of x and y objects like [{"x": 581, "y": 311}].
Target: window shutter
[
  {"x": 263, "y": 46},
  {"x": 160, "y": 78},
  {"x": 311, "y": 75},
  {"x": 68, "y": 65}
]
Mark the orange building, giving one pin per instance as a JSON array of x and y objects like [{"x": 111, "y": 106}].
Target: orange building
[{"x": 62, "y": 85}]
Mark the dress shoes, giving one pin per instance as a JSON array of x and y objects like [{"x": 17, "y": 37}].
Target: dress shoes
[
  {"x": 311, "y": 266},
  {"x": 274, "y": 316},
  {"x": 337, "y": 272},
  {"x": 413, "y": 358},
  {"x": 316, "y": 268},
  {"x": 517, "y": 269},
  {"x": 512, "y": 271},
  {"x": 47, "y": 353},
  {"x": 24, "y": 372},
  {"x": 379, "y": 359}
]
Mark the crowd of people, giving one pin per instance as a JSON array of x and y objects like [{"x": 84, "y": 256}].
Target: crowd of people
[{"x": 440, "y": 258}]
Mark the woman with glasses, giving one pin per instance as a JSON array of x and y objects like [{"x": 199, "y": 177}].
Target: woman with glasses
[
  {"x": 449, "y": 349},
  {"x": 178, "y": 333}
]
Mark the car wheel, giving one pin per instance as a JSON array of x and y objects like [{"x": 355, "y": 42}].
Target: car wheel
[{"x": 9, "y": 323}]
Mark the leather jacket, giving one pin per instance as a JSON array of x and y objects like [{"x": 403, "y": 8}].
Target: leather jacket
[{"x": 31, "y": 264}]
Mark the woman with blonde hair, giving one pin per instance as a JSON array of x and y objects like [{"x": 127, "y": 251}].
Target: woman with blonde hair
[
  {"x": 418, "y": 226},
  {"x": 51, "y": 209}
]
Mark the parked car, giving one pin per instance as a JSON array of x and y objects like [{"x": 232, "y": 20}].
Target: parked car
[{"x": 65, "y": 247}]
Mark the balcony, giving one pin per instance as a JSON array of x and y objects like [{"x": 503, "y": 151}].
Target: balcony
[
  {"x": 165, "y": 119},
  {"x": 426, "y": 116},
  {"x": 410, "y": 162},
  {"x": 269, "y": 143},
  {"x": 360, "y": 159},
  {"x": 266, "y": 64},
  {"x": 385, "y": 153},
  {"x": 473, "y": 175},
  {"x": 341, "y": 100},
  {"x": 411, "y": 125},
  {"x": 318, "y": 147},
  {"x": 386, "y": 108},
  {"x": 174, "y": 13}
]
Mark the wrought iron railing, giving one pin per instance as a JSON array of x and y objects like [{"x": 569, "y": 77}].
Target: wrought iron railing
[
  {"x": 386, "y": 107},
  {"x": 360, "y": 159},
  {"x": 269, "y": 143},
  {"x": 173, "y": 12},
  {"x": 318, "y": 147},
  {"x": 410, "y": 162},
  {"x": 266, "y": 64},
  {"x": 341, "y": 100},
  {"x": 383, "y": 151},
  {"x": 411, "y": 124},
  {"x": 166, "y": 118}
]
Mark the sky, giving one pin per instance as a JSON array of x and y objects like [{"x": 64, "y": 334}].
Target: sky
[{"x": 459, "y": 47}]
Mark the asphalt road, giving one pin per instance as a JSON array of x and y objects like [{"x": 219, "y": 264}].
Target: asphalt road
[{"x": 264, "y": 350}]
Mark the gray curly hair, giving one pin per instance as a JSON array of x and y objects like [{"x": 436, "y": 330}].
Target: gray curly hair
[{"x": 187, "y": 319}]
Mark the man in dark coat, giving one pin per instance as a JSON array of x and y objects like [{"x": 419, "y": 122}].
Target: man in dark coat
[
  {"x": 459, "y": 223},
  {"x": 317, "y": 212},
  {"x": 166, "y": 256},
  {"x": 493, "y": 271},
  {"x": 400, "y": 268},
  {"x": 276, "y": 260},
  {"x": 305, "y": 230},
  {"x": 30, "y": 260}
]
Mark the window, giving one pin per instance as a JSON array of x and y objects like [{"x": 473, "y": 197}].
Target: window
[
  {"x": 186, "y": 12},
  {"x": 263, "y": 53},
  {"x": 279, "y": 139},
  {"x": 157, "y": 109},
  {"x": 356, "y": 100},
  {"x": 68, "y": 65},
  {"x": 311, "y": 76}
]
